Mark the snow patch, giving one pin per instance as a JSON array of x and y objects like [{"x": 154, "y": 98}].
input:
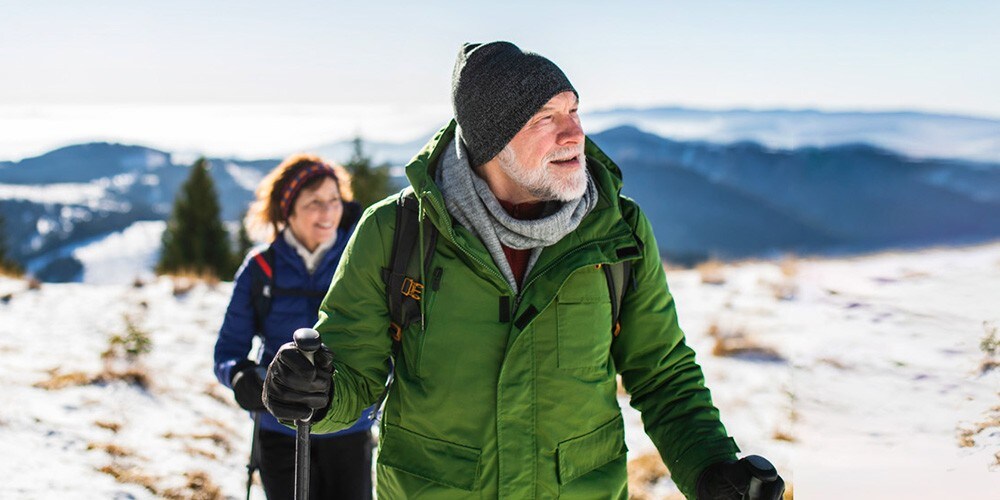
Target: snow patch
[{"x": 122, "y": 256}]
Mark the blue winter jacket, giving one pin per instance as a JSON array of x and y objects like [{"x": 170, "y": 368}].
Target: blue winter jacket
[{"x": 288, "y": 313}]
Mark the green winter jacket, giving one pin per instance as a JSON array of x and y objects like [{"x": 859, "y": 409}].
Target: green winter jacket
[{"x": 486, "y": 407}]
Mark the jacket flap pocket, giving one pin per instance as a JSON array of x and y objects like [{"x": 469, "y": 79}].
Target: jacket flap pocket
[
  {"x": 585, "y": 453},
  {"x": 432, "y": 459}
]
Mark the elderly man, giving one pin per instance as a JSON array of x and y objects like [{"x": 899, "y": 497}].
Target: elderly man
[{"x": 505, "y": 386}]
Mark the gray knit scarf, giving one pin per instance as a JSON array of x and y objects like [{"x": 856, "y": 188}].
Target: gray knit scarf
[{"x": 473, "y": 205}]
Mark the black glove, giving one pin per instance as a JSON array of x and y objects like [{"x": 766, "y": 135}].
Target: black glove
[
  {"x": 294, "y": 388},
  {"x": 248, "y": 386},
  {"x": 750, "y": 478}
]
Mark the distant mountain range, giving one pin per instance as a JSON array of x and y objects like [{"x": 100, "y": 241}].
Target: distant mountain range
[
  {"x": 742, "y": 199},
  {"x": 705, "y": 199},
  {"x": 913, "y": 134}
]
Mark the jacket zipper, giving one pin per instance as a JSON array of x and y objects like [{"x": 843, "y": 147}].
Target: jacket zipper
[{"x": 451, "y": 232}]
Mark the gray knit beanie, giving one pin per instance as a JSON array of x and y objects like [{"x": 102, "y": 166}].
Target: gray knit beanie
[{"x": 495, "y": 89}]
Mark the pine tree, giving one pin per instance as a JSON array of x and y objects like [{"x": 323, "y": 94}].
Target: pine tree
[
  {"x": 370, "y": 183},
  {"x": 243, "y": 245},
  {"x": 195, "y": 240},
  {"x": 7, "y": 264}
]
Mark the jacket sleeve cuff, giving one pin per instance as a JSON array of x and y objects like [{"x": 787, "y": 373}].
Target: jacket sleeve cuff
[{"x": 688, "y": 466}]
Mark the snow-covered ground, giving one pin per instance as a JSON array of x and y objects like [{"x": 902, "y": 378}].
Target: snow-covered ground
[{"x": 857, "y": 378}]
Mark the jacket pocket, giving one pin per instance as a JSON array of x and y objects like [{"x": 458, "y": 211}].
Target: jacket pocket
[
  {"x": 583, "y": 337},
  {"x": 582, "y": 454},
  {"x": 431, "y": 459},
  {"x": 583, "y": 319}
]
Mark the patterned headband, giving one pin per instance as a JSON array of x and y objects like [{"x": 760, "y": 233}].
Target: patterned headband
[{"x": 305, "y": 175}]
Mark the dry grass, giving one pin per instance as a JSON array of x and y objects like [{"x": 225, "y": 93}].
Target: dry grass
[
  {"x": 111, "y": 426},
  {"x": 217, "y": 438},
  {"x": 34, "y": 284},
  {"x": 136, "y": 376},
  {"x": 789, "y": 267},
  {"x": 990, "y": 345},
  {"x": 836, "y": 363},
  {"x": 111, "y": 449},
  {"x": 789, "y": 492},
  {"x": 59, "y": 380},
  {"x": 737, "y": 343},
  {"x": 198, "y": 452},
  {"x": 215, "y": 392},
  {"x": 780, "y": 435},
  {"x": 712, "y": 272},
  {"x": 185, "y": 281},
  {"x": 967, "y": 435},
  {"x": 127, "y": 474},
  {"x": 786, "y": 290},
  {"x": 198, "y": 486},
  {"x": 643, "y": 473}
]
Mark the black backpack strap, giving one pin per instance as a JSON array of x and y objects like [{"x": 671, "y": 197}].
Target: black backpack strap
[
  {"x": 261, "y": 287},
  {"x": 619, "y": 276},
  {"x": 403, "y": 288}
]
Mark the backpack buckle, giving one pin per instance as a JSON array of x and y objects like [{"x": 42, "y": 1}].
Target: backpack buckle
[
  {"x": 618, "y": 329},
  {"x": 395, "y": 332},
  {"x": 412, "y": 289}
]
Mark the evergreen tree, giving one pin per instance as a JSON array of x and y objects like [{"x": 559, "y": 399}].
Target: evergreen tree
[
  {"x": 370, "y": 183},
  {"x": 195, "y": 240},
  {"x": 7, "y": 264},
  {"x": 243, "y": 245}
]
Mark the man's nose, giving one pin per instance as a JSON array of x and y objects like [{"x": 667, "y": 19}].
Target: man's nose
[{"x": 570, "y": 131}]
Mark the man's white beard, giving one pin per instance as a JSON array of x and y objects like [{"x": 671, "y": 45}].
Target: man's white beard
[{"x": 543, "y": 181}]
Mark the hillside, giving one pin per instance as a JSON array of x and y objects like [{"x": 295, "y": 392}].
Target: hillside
[{"x": 860, "y": 378}]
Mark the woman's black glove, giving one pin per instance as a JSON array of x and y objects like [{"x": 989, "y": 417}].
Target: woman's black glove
[
  {"x": 750, "y": 478},
  {"x": 248, "y": 386},
  {"x": 294, "y": 388}
]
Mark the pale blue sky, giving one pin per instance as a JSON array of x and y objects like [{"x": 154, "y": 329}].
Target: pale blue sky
[{"x": 843, "y": 55}]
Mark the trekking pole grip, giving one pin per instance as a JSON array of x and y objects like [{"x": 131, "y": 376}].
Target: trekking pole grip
[{"x": 307, "y": 342}]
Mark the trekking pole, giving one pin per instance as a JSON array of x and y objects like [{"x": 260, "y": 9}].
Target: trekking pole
[
  {"x": 307, "y": 342},
  {"x": 254, "y": 462}
]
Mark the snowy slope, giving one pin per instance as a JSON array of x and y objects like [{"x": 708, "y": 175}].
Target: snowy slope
[{"x": 872, "y": 373}]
